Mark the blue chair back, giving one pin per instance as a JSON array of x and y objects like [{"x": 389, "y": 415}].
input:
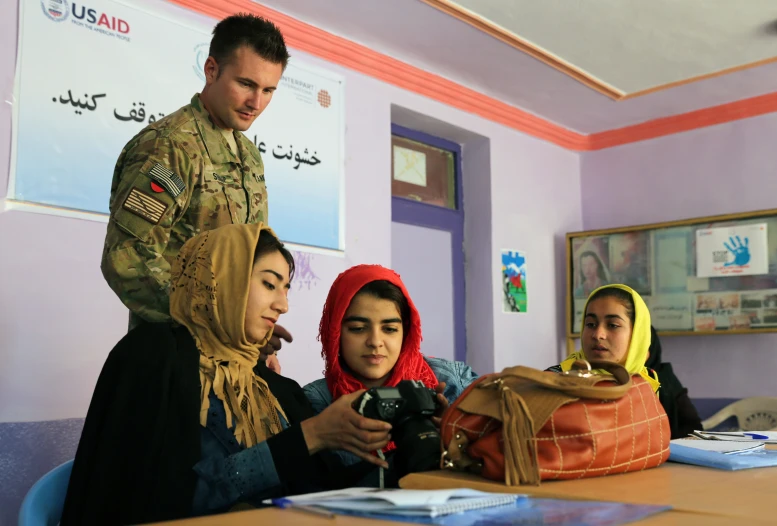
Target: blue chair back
[{"x": 43, "y": 504}]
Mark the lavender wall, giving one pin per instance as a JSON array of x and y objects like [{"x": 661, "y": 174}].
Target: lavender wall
[
  {"x": 717, "y": 170},
  {"x": 422, "y": 257},
  {"x": 534, "y": 203},
  {"x": 519, "y": 193}
]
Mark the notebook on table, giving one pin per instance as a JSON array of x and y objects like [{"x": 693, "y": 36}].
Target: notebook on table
[
  {"x": 466, "y": 507},
  {"x": 402, "y": 502}
]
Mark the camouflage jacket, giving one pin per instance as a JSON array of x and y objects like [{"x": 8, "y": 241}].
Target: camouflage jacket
[{"x": 174, "y": 179}]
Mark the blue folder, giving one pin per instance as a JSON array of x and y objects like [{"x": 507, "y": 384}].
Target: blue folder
[{"x": 761, "y": 458}]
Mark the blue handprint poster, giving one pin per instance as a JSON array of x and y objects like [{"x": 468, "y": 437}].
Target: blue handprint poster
[{"x": 732, "y": 251}]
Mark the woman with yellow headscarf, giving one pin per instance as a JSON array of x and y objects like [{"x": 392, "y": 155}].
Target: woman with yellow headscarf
[
  {"x": 616, "y": 328},
  {"x": 186, "y": 419}
]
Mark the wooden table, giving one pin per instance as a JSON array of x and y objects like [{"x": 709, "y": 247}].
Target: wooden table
[
  {"x": 697, "y": 495},
  {"x": 705, "y": 496},
  {"x": 273, "y": 516},
  {"x": 747, "y": 496}
]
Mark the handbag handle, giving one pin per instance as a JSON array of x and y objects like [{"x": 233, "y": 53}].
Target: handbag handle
[{"x": 572, "y": 384}]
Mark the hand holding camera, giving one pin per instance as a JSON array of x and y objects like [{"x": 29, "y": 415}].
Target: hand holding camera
[
  {"x": 442, "y": 404},
  {"x": 409, "y": 408},
  {"x": 340, "y": 427}
]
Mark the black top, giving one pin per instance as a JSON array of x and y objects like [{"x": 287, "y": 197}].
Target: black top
[
  {"x": 141, "y": 437},
  {"x": 683, "y": 417}
]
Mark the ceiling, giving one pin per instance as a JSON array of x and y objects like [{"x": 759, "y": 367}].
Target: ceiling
[
  {"x": 587, "y": 65},
  {"x": 630, "y": 47}
]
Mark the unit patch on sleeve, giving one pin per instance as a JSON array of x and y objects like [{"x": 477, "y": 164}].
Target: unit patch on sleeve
[{"x": 144, "y": 205}]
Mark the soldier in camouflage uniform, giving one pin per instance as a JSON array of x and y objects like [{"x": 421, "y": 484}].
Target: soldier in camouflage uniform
[{"x": 193, "y": 170}]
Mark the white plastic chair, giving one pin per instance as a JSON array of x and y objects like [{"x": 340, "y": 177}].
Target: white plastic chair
[{"x": 757, "y": 413}]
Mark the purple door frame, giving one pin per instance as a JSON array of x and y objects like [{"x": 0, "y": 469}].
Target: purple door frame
[{"x": 430, "y": 216}]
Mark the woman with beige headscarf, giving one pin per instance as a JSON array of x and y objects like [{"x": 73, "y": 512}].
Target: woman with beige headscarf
[{"x": 186, "y": 419}]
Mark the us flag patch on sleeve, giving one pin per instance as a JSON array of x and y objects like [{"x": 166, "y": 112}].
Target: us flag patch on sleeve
[
  {"x": 168, "y": 179},
  {"x": 143, "y": 205}
]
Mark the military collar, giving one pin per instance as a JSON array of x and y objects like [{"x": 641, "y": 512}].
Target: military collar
[{"x": 215, "y": 143}]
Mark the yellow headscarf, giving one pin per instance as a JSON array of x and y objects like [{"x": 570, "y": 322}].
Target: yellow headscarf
[
  {"x": 640, "y": 338},
  {"x": 208, "y": 295}
]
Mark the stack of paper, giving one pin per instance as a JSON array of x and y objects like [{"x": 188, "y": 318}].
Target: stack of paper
[{"x": 719, "y": 446}]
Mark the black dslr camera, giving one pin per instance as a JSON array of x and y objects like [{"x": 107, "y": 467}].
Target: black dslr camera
[{"x": 409, "y": 408}]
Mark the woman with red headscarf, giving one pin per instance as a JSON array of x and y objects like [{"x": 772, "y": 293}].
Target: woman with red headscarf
[{"x": 370, "y": 333}]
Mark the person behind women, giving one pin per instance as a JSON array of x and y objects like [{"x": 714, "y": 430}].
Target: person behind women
[
  {"x": 370, "y": 333},
  {"x": 683, "y": 417},
  {"x": 616, "y": 328},
  {"x": 186, "y": 419}
]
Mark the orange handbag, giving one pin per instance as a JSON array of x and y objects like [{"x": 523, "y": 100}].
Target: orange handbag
[{"x": 524, "y": 425}]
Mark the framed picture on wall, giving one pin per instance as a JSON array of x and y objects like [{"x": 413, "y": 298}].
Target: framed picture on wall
[
  {"x": 630, "y": 260},
  {"x": 591, "y": 268},
  {"x": 659, "y": 262}
]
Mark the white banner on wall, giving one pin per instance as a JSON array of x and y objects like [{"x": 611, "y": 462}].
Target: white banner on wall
[
  {"x": 91, "y": 76},
  {"x": 732, "y": 251}
]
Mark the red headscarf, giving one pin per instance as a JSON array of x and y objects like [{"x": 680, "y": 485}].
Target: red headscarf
[{"x": 410, "y": 365}]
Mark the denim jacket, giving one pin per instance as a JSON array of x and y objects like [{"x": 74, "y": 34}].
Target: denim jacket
[{"x": 456, "y": 375}]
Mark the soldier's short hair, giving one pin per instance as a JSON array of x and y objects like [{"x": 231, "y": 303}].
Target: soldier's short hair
[{"x": 244, "y": 29}]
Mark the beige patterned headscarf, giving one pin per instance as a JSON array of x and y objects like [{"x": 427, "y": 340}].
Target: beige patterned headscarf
[{"x": 208, "y": 295}]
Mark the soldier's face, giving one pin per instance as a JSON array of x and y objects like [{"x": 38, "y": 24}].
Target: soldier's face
[
  {"x": 237, "y": 92},
  {"x": 267, "y": 295}
]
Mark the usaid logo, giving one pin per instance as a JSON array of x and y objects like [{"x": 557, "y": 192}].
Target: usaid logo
[
  {"x": 56, "y": 10},
  {"x": 201, "y": 53},
  {"x": 83, "y": 16}
]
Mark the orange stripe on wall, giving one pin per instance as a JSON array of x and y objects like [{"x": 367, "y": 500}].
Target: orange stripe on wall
[
  {"x": 732, "y": 111},
  {"x": 338, "y": 50}
]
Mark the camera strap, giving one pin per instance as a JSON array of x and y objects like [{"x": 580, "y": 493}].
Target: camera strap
[{"x": 382, "y": 457}]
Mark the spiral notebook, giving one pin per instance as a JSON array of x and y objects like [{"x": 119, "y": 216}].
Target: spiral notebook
[{"x": 401, "y": 502}]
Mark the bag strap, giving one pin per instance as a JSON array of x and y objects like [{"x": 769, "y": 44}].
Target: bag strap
[{"x": 579, "y": 385}]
